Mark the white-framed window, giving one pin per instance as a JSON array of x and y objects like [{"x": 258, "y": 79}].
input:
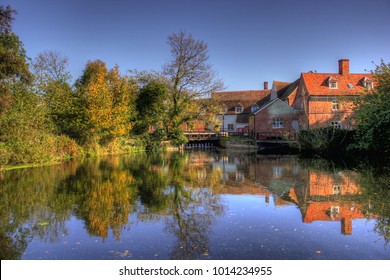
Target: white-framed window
[
  {"x": 239, "y": 109},
  {"x": 334, "y": 212},
  {"x": 277, "y": 123},
  {"x": 254, "y": 108},
  {"x": 239, "y": 177},
  {"x": 333, "y": 84},
  {"x": 368, "y": 85},
  {"x": 336, "y": 124},
  {"x": 277, "y": 171},
  {"x": 335, "y": 105},
  {"x": 230, "y": 127},
  {"x": 336, "y": 189}
]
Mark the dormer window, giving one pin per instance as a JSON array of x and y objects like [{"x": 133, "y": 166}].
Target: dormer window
[
  {"x": 367, "y": 83},
  {"x": 332, "y": 83},
  {"x": 254, "y": 108},
  {"x": 224, "y": 110},
  {"x": 238, "y": 109}
]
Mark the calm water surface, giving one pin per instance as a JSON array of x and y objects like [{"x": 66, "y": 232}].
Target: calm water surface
[{"x": 197, "y": 205}]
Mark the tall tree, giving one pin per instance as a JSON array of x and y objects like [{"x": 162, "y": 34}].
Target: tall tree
[
  {"x": 122, "y": 89},
  {"x": 373, "y": 115},
  {"x": 67, "y": 110},
  {"x": 51, "y": 66},
  {"x": 191, "y": 77},
  {"x": 109, "y": 101},
  {"x": 13, "y": 59},
  {"x": 150, "y": 106}
]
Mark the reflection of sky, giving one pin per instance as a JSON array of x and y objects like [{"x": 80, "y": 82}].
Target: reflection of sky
[
  {"x": 250, "y": 228},
  {"x": 253, "y": 229}
]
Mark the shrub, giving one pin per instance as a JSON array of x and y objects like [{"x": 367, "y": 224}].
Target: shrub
[{"x": 326, "y": 142}]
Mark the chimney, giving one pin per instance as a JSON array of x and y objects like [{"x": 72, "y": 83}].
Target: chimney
[
  {"x": 344, "y": 66},
  {"x": 265, "y": 85}
]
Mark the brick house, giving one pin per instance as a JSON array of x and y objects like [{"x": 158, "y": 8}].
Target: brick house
[
  {"x": 326, "y": 99},
  {"x": 275, "y": 118},
  {"x": 237, "y": 107}
]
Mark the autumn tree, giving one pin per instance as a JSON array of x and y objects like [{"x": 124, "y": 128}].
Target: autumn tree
[
  {"x": 191, "y": 78},
  {"x": 122, "y": 89},
  {"x": 109, "y": 102}
]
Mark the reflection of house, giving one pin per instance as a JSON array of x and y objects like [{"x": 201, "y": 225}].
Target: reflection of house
[
  {"x": 333, "y": 211},
  {"x": 328, "y": 197},
  {"x": 237, "y": 106},
  {"x": 320, "y": 196},
  {"x": 326, "y": 99}
]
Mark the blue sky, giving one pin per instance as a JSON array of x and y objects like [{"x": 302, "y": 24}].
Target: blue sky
[{"x": 249, "y": 41}]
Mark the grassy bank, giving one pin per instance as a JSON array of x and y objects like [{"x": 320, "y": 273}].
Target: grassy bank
[{"x": 57, "y": 149}]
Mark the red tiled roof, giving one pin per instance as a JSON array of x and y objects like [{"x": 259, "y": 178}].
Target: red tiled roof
[
  {"x": 280, "y": 85},
  {"x": 245, "y": 98},
  {"x": 242, "y": 95},
  {"x": 317, "y": 83}
]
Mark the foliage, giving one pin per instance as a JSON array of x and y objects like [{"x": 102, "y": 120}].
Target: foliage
[
  {"x": 13, "y": 64},
  {"x": 66, "y": 109},
  {"x": 375, "y": 186},
  {"x": 25, "y": 128},
  {"x": 109, "y": 102},
  {"x": 151, "y": 111},
  {"x": 326, "y": 141},
  {"x": 373, "y": 115}
]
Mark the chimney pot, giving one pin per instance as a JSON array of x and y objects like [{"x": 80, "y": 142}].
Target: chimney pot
[
  {"x": 344, "y": 66},
  {"x": 265, "y": 85}
]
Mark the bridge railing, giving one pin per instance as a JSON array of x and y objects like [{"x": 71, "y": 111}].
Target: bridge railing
[
  {"x": 274, "y": 136},
  {"x": 201, "y": 135}
]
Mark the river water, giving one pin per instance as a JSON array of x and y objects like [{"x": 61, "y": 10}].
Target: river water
[{"x": 194, "y": 205}]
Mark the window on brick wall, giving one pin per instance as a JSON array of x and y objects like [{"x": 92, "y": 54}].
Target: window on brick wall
[
  {"x": 277, "y": 123},
  {"x": 335, "y": 105},
  {"x": 336, "y": 124},
  {"x": 336, "y": 189}
]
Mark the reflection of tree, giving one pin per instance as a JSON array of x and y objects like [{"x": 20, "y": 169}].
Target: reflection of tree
[
  {"x": 105, "y": 195},
  {"x": 30, "y": 206},
  {"x": 376, "y": 200},
  {"x": 193, "y": 209}
]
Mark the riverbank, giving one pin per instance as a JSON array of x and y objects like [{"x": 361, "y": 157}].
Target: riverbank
[{"x": 61, "y": 151}]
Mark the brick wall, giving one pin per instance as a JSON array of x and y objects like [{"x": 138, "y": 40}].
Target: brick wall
[{"x": 262, "y": 125}]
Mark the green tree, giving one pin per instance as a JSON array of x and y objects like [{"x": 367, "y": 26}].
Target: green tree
[
  {"x": 25, "y": 129},
  {"x": 191, "y": 78},
  {"x": 13, "y": 62},
  {"x": 150, "y": 105},
  {"x": 373, "y": 115},
  {"x": 151, "y": 114},
  {"x": 67, "y": 109}
]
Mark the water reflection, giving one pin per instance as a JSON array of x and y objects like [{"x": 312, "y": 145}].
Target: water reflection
[{"x": 187, "y": 194}]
